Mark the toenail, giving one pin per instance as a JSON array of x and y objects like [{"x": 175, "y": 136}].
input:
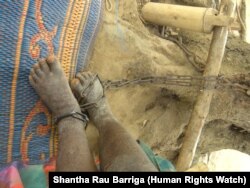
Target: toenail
[
  {"x": 51, "y": 58},
  {"x": 75, "y": 82},
  {"x": 35, "y": 66}
]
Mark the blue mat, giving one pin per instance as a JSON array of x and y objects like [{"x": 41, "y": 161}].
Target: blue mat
[{"x": 32, "y": 29}]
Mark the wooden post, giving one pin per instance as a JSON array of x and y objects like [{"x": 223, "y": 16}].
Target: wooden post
[{"x": 202, "y": 106}]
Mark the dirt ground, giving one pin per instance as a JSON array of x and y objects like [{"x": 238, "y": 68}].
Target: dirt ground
[{"x": 127, "y": 48}]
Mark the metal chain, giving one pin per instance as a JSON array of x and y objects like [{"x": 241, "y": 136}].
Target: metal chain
[
  {"x": 236, "y": 82},
  {"x": 192, "y": 57}
]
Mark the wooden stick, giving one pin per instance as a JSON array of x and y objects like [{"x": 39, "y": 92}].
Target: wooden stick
[{"x": 202, "y": 106}]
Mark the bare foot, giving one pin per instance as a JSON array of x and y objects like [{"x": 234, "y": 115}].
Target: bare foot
[
  {"x": 49, "y": 81},
  {"x": 89, "y": 93}
]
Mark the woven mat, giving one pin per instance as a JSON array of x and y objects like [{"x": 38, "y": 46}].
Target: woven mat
[{"x": 32, "y": 29}]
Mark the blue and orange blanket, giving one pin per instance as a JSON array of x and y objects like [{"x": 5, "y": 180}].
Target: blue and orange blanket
[
  {"x": 19, "y": 175},
  {"x": 29, "y": 30}
]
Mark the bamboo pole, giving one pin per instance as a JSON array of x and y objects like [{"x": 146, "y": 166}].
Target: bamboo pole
[
  {"x": 199, "y": 19},
  {"x": 184, "y": 17},
  {"x": 245, "y": 20},
  {"x": 202, "y": 106}
]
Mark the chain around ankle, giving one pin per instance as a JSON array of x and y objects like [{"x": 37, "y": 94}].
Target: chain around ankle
[{"x": 76, "y": 115}]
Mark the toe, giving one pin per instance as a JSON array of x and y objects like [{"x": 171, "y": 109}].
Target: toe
[
  {"x": 34, "y": 77},
  {"x": 32, "y": 72},
  {"x": 87, "y": 75},
  {"x": 53, "y": 63},
  {"x": 35, "y": 66},
  {"x": 32, "y": 81},
  {"x": 80, "y": 77},
  {"x": 84, "y": 77},
  {"x": 37, "y": 70},
  {"x": 44, "y": 66},
  {"x": 76, "y": 87}
]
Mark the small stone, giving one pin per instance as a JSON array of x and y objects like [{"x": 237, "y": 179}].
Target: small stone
[{"x": 248, "y": 92}]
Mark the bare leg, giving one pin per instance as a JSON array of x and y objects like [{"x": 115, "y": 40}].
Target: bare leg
[
  {"x": 118, "y": 150},
  {"x": 49, "y": 81}
]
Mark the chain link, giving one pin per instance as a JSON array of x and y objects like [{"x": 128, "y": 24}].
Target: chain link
[{"x": 236, "y": 82}]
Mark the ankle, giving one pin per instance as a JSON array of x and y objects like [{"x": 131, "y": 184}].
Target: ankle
[
  {"x": 100, "y": 113},
  {"x": 67, "y": 110}
]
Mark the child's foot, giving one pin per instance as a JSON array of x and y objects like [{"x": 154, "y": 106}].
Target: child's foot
[
  {"x": 90, "y": 94},
  {"x": 50, "y": 83}
]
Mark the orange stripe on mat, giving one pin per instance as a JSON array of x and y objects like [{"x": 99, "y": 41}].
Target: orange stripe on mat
[
  {"x": 79, "y": 37},
  {"x": 64, "y": 28},
  {"x": 14, "y": 80},
  {"x": 70, "y": 36}
]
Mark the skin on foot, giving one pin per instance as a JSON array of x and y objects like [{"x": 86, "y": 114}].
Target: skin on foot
[
  {"x": 49, "y": 81},
  {"x": 88, "y": 89},
  {"x": 118, "y": 150}
]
